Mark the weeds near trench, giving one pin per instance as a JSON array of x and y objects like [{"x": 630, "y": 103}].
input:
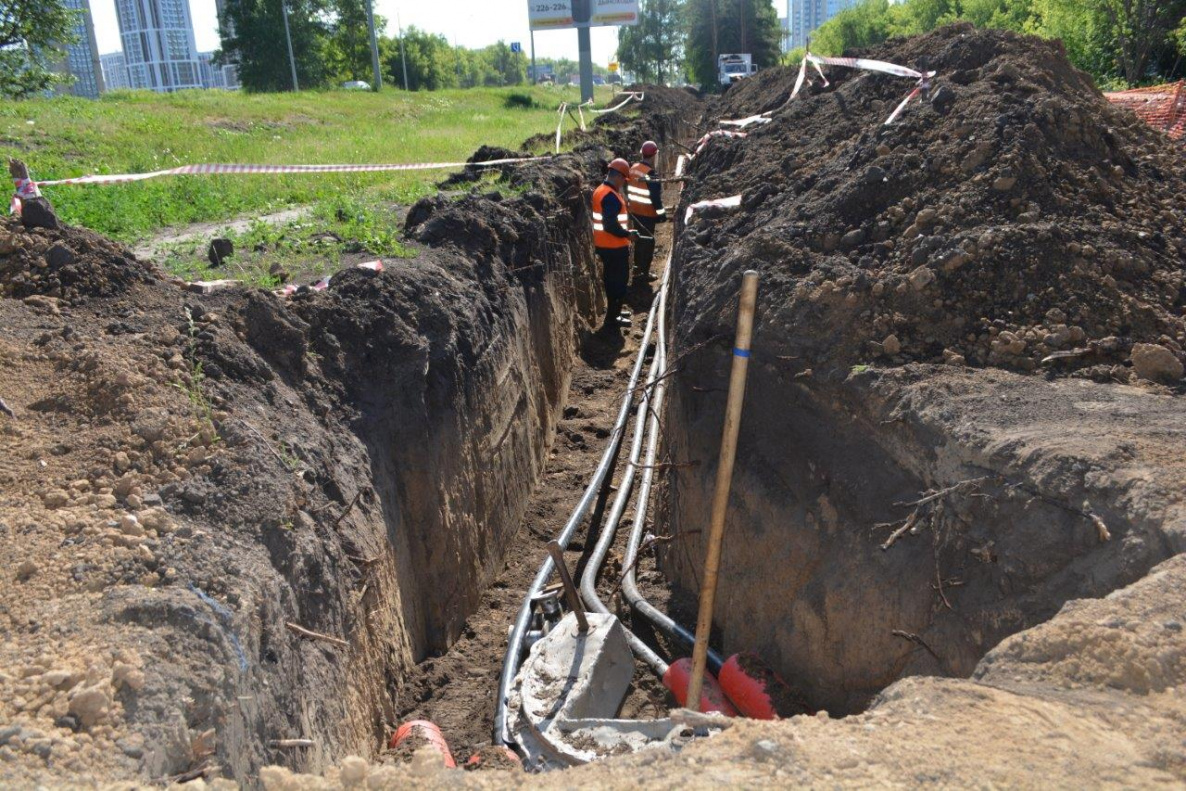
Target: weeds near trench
[
  {"x": 203, "y": 410},
  {"x": 290, "y": 459}
]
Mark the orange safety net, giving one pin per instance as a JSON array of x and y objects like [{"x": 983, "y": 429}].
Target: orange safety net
[{"x": 1161, "y": 106}]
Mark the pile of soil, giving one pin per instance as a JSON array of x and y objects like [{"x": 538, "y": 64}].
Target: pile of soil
[
  {"x": 1014, "y": 218},
  {"x": 65, "y": 263}
]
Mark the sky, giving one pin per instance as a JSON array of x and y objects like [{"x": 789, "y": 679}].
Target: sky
[{"x": 473, "y": 23}]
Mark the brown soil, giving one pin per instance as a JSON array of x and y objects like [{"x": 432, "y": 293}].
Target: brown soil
[{"x": 187, "y": 479}]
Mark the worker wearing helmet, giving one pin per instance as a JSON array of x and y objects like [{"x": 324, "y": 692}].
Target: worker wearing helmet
[
  {"x": 645, "y": 193},
  {"x": 611, "y": 239}
]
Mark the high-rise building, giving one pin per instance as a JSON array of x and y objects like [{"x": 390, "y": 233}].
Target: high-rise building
[
  {"x": 215, "y": 76},
  {"x": 805, "y": 16},
  {"x": 115, "y": 72},
  {"x": 159, "y": 48},
  {"x": 82, "y": 57}
]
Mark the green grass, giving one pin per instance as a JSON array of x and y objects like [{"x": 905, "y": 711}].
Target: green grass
[{"x": 133, "y": 132}]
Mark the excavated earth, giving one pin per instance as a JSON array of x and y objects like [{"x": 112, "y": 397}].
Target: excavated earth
[
  {"x": 957, "y": 519},
  {"x": 231, "y": 520}
]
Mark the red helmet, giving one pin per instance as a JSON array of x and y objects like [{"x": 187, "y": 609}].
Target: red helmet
[
  {"x": 620, "y": 165},
  {"x": 649, "y": 149}
]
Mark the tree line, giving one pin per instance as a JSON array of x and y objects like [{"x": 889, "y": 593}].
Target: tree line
[
  {"x": 1119, "y": 42},
  {"x": 331, "y": 44}
]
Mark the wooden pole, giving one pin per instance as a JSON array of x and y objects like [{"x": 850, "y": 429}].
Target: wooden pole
[
  {"x": 720, "y": 498},
  {"x": 570, "y": 590}
]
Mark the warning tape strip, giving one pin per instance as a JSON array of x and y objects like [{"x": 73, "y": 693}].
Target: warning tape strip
[
  {"x": 215, "y": 169},
  {"x": 742, "y": 123},
  {"x": 631, "y": 96},
  {"x": 865, "y": 64},
  {"x": 702, "y": 142},
  {"x": 868, "y": 64},
  {"x": 566, "y": 108},
  {"x": 731, "y": 202}
]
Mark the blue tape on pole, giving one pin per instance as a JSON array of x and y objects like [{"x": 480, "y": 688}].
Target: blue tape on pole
[{"x": 740, "y": 352}]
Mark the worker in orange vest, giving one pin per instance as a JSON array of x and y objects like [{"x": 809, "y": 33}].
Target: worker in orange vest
[
  {"x": 645, "y": 193},
  {"x": 611, "y": 238}
]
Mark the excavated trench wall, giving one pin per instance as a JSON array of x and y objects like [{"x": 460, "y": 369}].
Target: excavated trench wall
[
  {"x": 329, "y": 479},
  {"x": 412, "y": 410},
  {"x": 831, "y": 463},
  {"x": 420, "y": 403}
]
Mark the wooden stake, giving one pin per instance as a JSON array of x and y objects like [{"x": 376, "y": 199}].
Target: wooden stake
[
  {"x": 570, "y": 590},
  {"x": 720, "y": 499}
]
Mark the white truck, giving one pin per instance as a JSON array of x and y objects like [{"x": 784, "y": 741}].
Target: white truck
[{"x": 731, "y": 68}]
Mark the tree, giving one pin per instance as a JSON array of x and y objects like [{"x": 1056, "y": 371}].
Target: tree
[
  {"x": 33, "y": 34},
  {"x": 1141, "y": 29},
  {"x": 432, "y": 63},
  {"x": 507, "y": 68},
  {"x": 723, "y": 26},
  {"x": 253, "y": 39},
  {"x": 349, "y": 49},
  {"x": 859, "y": 26},
  {"x": 653, "y": 49}
]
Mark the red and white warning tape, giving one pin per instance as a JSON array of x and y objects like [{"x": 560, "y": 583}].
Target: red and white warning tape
[
  {"x": 742, "y": 123},
  {"x": 566, "y": 108},
  {"x": 25, "y": 189},
  {"x": 702, "y": 142},
  {"x": 631, "y": 96},
  {"x": 731, "y": 202},
  {"x": 866, "y": 64},
  {"x": 196, "y": 170},
  {"x": 323, "y": 283}
]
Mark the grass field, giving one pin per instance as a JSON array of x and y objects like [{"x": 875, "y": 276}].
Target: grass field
[{"x": 134, "y": 132}]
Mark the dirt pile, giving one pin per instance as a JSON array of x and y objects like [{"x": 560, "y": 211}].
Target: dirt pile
[
  {"x": 65, "y": 264},
  {"x": 1012, "y": 217},
  {"x": 914, "y": 492}
]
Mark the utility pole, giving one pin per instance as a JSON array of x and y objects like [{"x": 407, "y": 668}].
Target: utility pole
[
  {"x": 403, "y": 58},
  {"x": 585, "y": 46},
  {"x": 378, "y": 75},
  {"x": 534, "y": 74},
  {"x": 288, "y": 38}
]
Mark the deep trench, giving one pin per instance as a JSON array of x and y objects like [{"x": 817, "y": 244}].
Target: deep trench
[{"x": 823, "y": 474}]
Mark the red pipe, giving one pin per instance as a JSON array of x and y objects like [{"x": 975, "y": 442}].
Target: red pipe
[
  {"x": 430, "y": 733},
  {"x": 758, "y": 691},
  {"x": 712, "y": 698}
]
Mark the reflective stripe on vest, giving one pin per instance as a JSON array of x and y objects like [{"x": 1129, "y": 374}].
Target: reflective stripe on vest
[
  {"x": 601, "y": 237},
  {"x": 639, "y": 192}
]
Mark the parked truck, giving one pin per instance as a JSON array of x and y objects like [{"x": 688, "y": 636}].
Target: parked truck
[{"x": 734, "y": 67}]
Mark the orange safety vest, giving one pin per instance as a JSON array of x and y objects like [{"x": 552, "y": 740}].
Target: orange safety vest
[
  {"x": 601, "y": 237},
  {"x": 639, "y": 192}
]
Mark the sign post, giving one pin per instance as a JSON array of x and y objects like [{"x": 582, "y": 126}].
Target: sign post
[
  {"x": 559, "y": 14},
  {"x": 586, "y": 51},
  {"x": 534, "y": 73}
]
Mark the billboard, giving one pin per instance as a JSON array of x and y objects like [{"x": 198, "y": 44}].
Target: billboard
[{"x": 557, "y": 14}]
